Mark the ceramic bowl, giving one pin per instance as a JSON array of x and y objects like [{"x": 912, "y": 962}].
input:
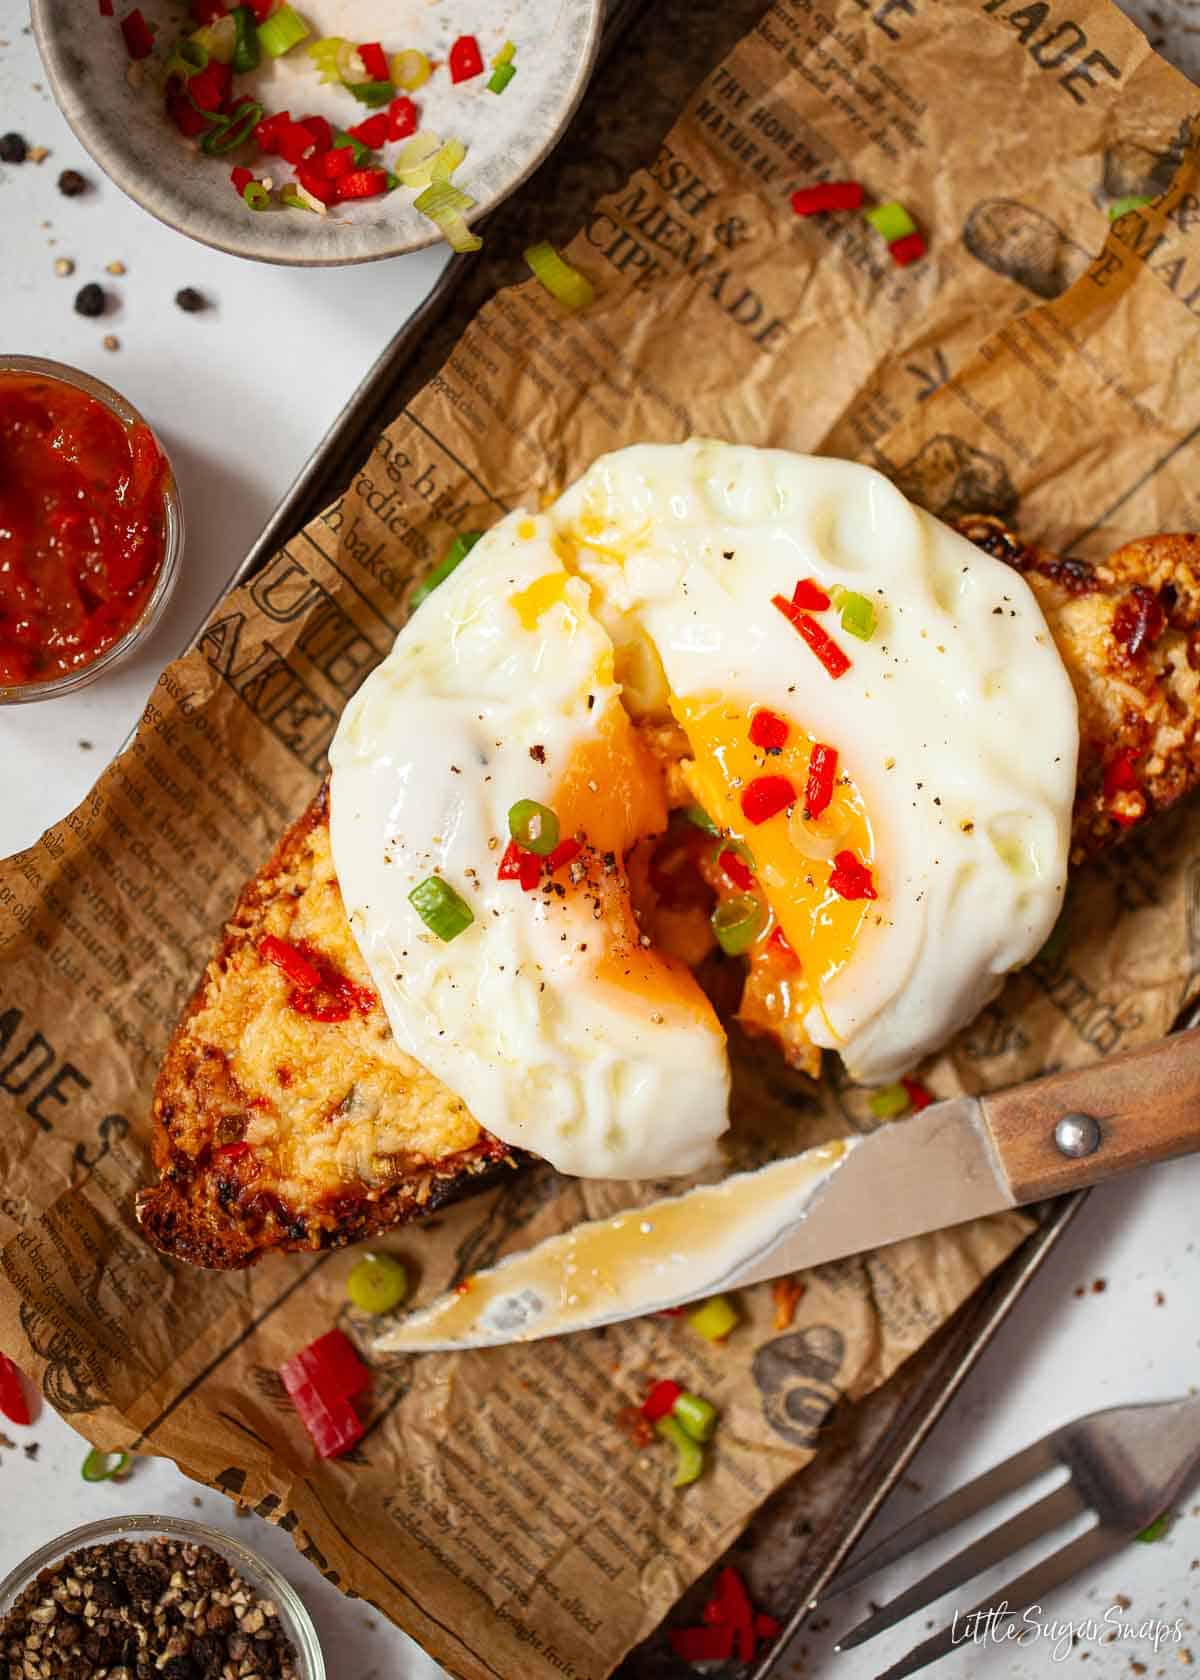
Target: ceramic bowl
[{"x": 125, "y": 129}]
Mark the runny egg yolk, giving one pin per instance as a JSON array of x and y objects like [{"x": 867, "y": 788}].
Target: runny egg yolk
[{"x": 819, "y": 925}]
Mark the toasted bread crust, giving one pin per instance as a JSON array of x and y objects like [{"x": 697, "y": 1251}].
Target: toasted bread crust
[{"x": 274, "y": 1130}]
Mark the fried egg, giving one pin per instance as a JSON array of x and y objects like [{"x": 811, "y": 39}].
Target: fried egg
[{"x": 686, "y": 582}]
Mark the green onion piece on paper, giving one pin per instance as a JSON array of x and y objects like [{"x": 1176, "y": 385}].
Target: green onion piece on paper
[
  {"x": 858, "y": 615},
  {"x": 443, "y": 911},
  {"x": 372, "y": 94},
  {"x": 462, "y": 545},
  {"x": 892, "y": 221},
  {"x": 100, "y": 1466},
  {"x": 888, "y": 1102},
  {"x": 697, "y": 815},
  {"x": 282, "y": 31},
  {"x": 1121, "y": 206},
  {"x": 500, "y": 77},
  {"x": 695, "y": 1414},
  {"x": 714, "y": 1319},
  {"x": 572, "y": 289},
  {"x": 246, "y": 49},
  {"x": 533, "y": 826},
  {"x": 689, "y": 1454},
  {"x": 737, "y": 923},
  {"x": 377, "y": 1283}
]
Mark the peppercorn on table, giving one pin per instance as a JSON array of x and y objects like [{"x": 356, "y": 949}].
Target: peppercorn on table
[{"x": 240, "y": 368}]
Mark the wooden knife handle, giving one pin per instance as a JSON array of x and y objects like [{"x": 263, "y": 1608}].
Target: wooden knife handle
[{"x": 1147, "y": 1103}]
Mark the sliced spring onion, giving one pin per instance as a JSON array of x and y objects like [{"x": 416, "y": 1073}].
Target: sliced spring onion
[
  {"x": 324, "y": 54},
  {"x": 689, "y": 1454},
  {"x": 533, "y": 826},
  {"x": 500, "y": 77},
  {"x": 246, "y": 49},
  {"x": 186, "y": 61},
  {"x": 697, "y": 815},
  {"x": 888, "y": 1102},
  {"x": 414, "y": 160},
  {"x": 697, "y": 1415},
  {"x": 410, "y": 69},
  {"x": 100, "y": 1466},
  {"x": 447, "y": 160},
  {"x": 1121, "y": 206},
  {"x": 456, "y": 233},
  {"x": 715, "y": 1319},
  {"x": 282, "y": 31},
  {"x": 442, "y": 197},
  {"x": 217, "y": 39},
  {"x": 443, "y": 911},
  {"x": 256, "y": 195},
  {"x": 572, "y": 289},
  {"x": 739, "y": 849},
  {"x": 462, "y": 545},
  {"x": 737, "y": 922},
  {"x": 858, "y": 615},
  {"x": 506, "y": 54},
  {"x": 892, "y": 221},
  {"x": 377, "y": 1283},
  {"x": 350, "y": 66},
  {"x": 233, "y": 133},
  {"x": 372, "y": 94},
  {"x": 295, "y": 198},
  {"x": 1155, "y": 1530}
]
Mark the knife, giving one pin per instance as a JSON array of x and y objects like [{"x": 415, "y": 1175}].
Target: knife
[{"x": 951, "y": 1162}]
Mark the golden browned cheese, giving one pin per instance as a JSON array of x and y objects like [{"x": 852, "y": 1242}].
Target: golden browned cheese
[{"x": 274, "y": 1129}]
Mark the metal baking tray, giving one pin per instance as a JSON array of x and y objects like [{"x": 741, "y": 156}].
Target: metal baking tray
[{"x": 665, "y": 47}]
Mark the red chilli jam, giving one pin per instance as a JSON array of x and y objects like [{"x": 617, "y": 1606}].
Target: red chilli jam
[{"x": 82, "y": 527}]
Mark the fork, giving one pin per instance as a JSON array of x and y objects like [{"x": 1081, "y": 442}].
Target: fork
[{"x": 1126, "y": 1464}]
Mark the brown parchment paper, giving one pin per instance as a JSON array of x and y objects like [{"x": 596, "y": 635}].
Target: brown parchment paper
[{"x": 494, "y": 1508}]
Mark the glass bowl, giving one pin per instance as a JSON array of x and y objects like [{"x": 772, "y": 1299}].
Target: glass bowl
[
  {"x": 16, "y": 693},
  {"x": 266, "y": 1581}
]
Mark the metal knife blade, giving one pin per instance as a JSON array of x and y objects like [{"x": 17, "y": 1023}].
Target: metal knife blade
[{"x": 936, "y": 1168}]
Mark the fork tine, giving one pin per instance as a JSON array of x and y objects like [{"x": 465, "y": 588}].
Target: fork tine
[
  {"x": 1042, "y": 1517},
  {"x": 1027, "y": 1589},
  {"x": 1005, "y": 1477}
]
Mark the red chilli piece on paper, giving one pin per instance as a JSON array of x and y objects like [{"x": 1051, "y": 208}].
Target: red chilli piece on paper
[
  {"x": 827, "y": 195},
  {"x": 768, "y": 730},
  {"x": 765, "y": 797},
  {"x": 850, "y": 877},
  {"x": 826, "y": 649},
  {"x": 809, "y": 596},
  {"x": 13, "y": 1404},
  {"x": 918, "y": 1096},
  {"x": 907, "y": 250},
  {"x": 822, "y": 770},
  {"x": 660, "y": 1400}
]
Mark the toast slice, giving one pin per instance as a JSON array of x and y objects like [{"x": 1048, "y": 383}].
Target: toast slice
[{"x": 288, "y": 1119}]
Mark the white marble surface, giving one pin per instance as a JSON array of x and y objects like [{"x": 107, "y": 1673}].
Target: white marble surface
[{"x": 241, "y": 394}]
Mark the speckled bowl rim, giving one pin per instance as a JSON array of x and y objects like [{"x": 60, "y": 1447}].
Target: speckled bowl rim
[
  {"x": 295, "y": 1619},
  {"x": 164, "y": 206}
]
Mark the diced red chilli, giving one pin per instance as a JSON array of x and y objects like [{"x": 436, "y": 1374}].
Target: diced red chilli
[
  {"x": 207, "y": 11},
  {"x": 106, "y": 8},
  {"x": 402, "y": 118},
  {"x": 362, "y": 183},
  {"x": 660, "y": 1400},
  {"x": 918, "y": 1096},
  {"x": 827, "y": 195},
  {"x": 319, "y": 128},
  {"x": 1120, "y": 775},
  {"x": 13, "y": 1404},
  {"x": 766, "y": 1627},
  {"x": 466, "y": 60},
  {"x": 372, "y": 131},
  {"x": 340, "y": 161},
  {"x": 702, "y": 1644},
  {"x": 736, "y": 870},
  {"x": 332, "y": 1363},
  {"x": 288, "y": 959},
  {"x": 185, "y": 116},
  {"x": 851, "y": 878},
  {"x": 765, "y": 797},
  {"x": 233, "y": 1151},
  {"x": 315, "y": 183},
  {"x": 780, "y": 944},
  {"x": 519, "y": 865},
  {"x": 374, "y": 61},
  {"x": 768, "y": 730},
  {"x": 822, "y": 769},
  {"x": 139, "y": 38},
  {"x": 293, "y": 142},
  {"x": 1138, "y": 621},
  {"x": 267, "y": 131},
  {"x": 809, "y": 595},
  {"x": 261, "y": 9},
  {"x": 565, "y": 852},
  {"x": 825, "y": 648},
  {"x": 907, "y": 250}
]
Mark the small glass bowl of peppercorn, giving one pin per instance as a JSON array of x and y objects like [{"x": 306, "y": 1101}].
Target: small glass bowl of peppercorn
[
  {"x": 153, "y": 1598},
  {"x": 91, "y": 528}
]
